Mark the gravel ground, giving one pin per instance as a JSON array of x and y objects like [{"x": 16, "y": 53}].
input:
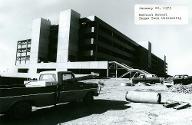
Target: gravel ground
[
  {"x": 186, "y": 89},
  {"x": 111, "y": 108}
]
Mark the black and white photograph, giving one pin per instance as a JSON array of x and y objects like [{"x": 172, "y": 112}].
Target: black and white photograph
[{"x": 95, "y": 62}]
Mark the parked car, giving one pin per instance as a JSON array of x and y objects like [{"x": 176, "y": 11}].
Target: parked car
[
  {"x": 182, "y": 79},
  {"x": 51, "y": 88},
  {"x": 147, "y": 78}
]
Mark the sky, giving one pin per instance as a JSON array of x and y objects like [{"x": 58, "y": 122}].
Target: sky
[{"x": 174, "y": 41}]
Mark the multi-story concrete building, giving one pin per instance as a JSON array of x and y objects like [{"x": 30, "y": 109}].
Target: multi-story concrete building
[{"x": 82, "y": 45}]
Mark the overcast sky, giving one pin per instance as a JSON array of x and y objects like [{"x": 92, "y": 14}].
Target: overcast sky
[{"x": 174, "y": 41}]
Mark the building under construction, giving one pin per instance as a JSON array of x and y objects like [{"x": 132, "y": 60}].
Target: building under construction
[{"x": 83, "y": 45}]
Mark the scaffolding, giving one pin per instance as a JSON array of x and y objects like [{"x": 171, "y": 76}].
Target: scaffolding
[
  {"x": 116, "y": 69},
  {"x": 23, "y": 51},
  {"x": 121, "y": 70}
]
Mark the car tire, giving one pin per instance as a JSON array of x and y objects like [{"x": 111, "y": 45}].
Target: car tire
[
  {"x": 88, "y": 99},
  {"x": 20, "y": 110}
]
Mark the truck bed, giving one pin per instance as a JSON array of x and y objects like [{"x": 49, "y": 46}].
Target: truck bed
[
  {"x": 12, "y": 81},
  {"x": 22, "y": 91}
]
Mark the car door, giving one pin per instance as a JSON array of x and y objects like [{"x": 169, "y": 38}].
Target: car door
[
  {"x": 69, "y": 88},
  {"x": 46, "y": 95}
]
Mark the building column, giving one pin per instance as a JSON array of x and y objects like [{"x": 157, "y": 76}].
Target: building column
[
  {"x": 40, "y": 40},
  {"x": 149, "y": 56},
  {"x": 68, "y": 34},
  {"x": 39, "y": 43},
  {"x": 165, "y": 65}
]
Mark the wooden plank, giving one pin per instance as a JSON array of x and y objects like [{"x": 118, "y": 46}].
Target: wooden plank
[
  {"x": 182, "y": 105},
  {"x": 171, "y": 104}
]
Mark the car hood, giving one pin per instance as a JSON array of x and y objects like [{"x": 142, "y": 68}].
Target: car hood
[{"x": 36, "y": 84}]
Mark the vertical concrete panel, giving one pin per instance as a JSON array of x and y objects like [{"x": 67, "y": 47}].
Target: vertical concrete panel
[
  {"x": 40, "y": 40},
  {"x": 74, "y": 36},
  {"x": 44, "y": 40},
  {"x": 165, "y": 64},
  {"x": 36, "y": 26},
  {"x": 149, "y": 55},
  {"x": 68, "y": 33},
  {"x": 39, "y": 43}
]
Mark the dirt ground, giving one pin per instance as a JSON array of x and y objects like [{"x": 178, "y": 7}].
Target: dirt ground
[{"x": 111, "y": 108}]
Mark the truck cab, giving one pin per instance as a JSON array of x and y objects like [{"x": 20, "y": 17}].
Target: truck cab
[{"x": 49, "y": 78}]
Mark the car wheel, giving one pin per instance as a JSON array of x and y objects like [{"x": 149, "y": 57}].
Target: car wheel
[
  {"x": 88, "y": 99},
  {"x": 20, "y": 110}
]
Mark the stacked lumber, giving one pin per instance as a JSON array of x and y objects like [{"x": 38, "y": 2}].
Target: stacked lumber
[{"x": 176, "y": 105}]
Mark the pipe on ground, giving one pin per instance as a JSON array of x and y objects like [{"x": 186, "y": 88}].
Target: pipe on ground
[{"x": 143, "y": 97}]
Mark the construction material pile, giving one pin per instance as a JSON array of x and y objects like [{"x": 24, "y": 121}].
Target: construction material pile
[{"x": 187, "y": 89}]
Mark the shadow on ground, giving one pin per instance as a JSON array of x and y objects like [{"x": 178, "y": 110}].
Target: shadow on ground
[{"x": 65, "y": 113}]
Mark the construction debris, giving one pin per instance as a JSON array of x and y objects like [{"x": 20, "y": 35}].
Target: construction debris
[
  {"x": 182, "y": 105},
  {"x": 187, "y": 89},
  {"x": 143, "y": 97},
  {"x": 155, "y": 98},
  {"x": 176, "y": 105},
  {"x": 170, "y": 104}
]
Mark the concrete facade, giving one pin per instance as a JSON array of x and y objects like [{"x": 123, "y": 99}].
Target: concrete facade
[
  {"x": 83, "y": 45},
  {"x": 107, "y": 43}
]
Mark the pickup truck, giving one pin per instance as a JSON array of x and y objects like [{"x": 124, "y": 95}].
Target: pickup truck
[
  {"x": 182, "y": 79},
  {"x": 147, "y": 78},
  {"x": 51, "y": 88}
]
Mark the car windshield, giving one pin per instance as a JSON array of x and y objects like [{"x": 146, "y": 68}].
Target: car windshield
[
  {"x": 47, "y": 77},
  {"x": 177, "y": 76},
  {"x": 185, "y": 76}
]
